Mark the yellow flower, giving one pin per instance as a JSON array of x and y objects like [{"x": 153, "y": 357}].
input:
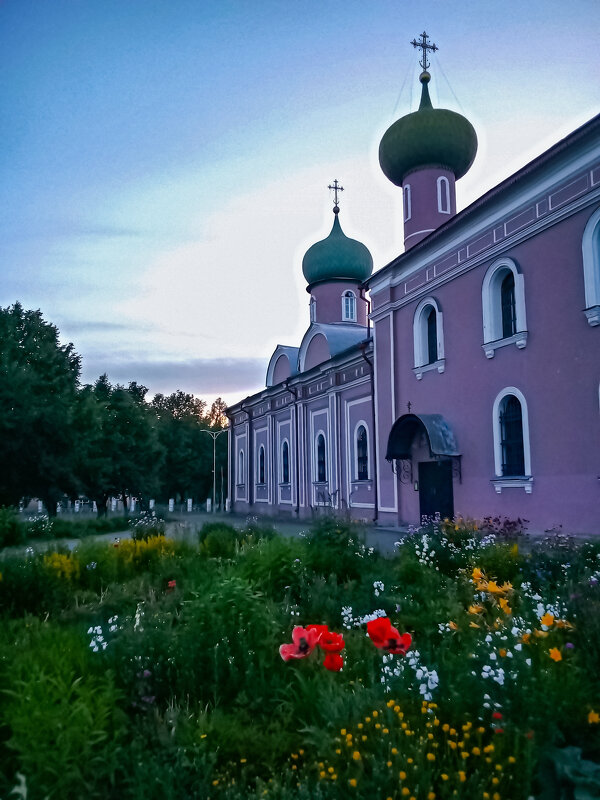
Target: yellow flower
[
  {"x": 353, "y": 782},
  {"x": 356, "y": 755},
  {"x": 405, "y": 792},
  {"x": 502, "y": 652},
  {"x": 343, "y": 731},
  {"x": 495, "y": 781},
  {"x": 496, "y": 796},
  {"x": 431, "y": 796},
  {"x": 477, "y": 574},
  {"x": 452, "y": 745},
  {"x": 367, "y": 719},
  {"x": 330, "y": 770},
  {"x": 463, "y": 776},
  {"x": 476, "y": 751},
  {"x": 376, "y": 713},
  {"x": 322, "y": 774},
  {"x": 360, "y": 726},
  {"x": 493, "y": 588},
  {"x": 445, "y": 727},
  {"x": 593, "y": 717},
  {"x": 430, "y": 757},
  {"x": 243, "y": 760},
  {"x": 453, "y": 626},
  {"x": 540, "y": 634},
  {"x": 394, "y": 751},
  {"x": 525, "y": 638},
  {"x": 396, "y": 709},
  {"x": 338, "y": 751},
  {"x": 475, "y": 609},
  {"x": 443, "y": 776},
  {"x": 512, "y": 760},
  {"x": 503, "y": 603},
  {"x": 364, "y": 738},
  {"x": 409, "y": 760},
  {"x": 547, "y": 620},
  {"x": 388, "y": 763},
  {"x": 555, "y": 654},
  {"x": 402, "y": 775},
  {"x": 473, "y": 625},
  {"x": 464, "y": 754},
  {"x": 385, "y": 731}
]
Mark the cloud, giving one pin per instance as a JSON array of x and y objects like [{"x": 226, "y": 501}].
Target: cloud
[{"x": 230, "y": 378}]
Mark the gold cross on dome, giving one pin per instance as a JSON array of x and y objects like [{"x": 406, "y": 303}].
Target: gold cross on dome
[{"x": 423, "y": 44}]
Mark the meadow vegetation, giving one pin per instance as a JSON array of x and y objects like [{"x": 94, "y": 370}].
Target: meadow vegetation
[{"x": 466, "y": 665}]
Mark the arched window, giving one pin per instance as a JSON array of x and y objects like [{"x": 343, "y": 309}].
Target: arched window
[
  {"x": 241, "y": 472},
  {"x": 285, "y": 462},
  {"x": 443, "y": 195},
  {"x": 512, "y": 454},
  {"x": 507, "y": 304},
  {"x": 261, "y": 464},
  {"x": 362, "y": 454},
  {"x": 511, "y": 436},
  {"x": 432, "y": 343},
  {"x": 503, "y": 306},
  {"x": 349, "y": 307},
  {"x": 407, "y": 202},
  {"x": 591, "y": 268},
  {"x": 428, "y": 337},
  {"x": 313, "y": 309},
  {"x": 321, "y": 459}
]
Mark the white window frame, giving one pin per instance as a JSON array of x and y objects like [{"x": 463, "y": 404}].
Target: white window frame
[
  {"x": 241, "y": 476},
  {"x": 590, "y": 246},
  {"x": 443, "y": 195},
  {"x": 313, "y": 309},
  {"x": 492, "y": 309},
  {"x": 320, "y": 432},
  {"x": 349, "y": 315},
  {"x": 420, "y": 343},
  {"x": 362, "y": 424},
  {"x": 406, "y": 196},
  {"x": 500, "y": 482}
]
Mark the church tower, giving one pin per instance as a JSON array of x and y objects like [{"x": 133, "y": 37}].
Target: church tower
[
  {"x": 425, "y": 153},
  {"x": 334, "y": 269}
]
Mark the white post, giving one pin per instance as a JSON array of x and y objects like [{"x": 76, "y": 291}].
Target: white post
[
  {"x": 189, "y": 505},
  {"x": 171, "y": 504}
]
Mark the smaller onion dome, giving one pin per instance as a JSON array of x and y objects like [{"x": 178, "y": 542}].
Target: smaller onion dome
[
  {"x": 429, "y": 137},
  {"x": 337, "y": 258}
]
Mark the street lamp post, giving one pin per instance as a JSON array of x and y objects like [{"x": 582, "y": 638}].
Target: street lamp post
[{"x": 214, "y": 435}]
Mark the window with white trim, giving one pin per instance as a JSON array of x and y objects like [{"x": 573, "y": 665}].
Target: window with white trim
[
  {"x": 261, "y": 464},
  {"x": 443, "y": 195},
  {"x": 321, "y": 470},
  {"x": 362, "y": 453},
  {"x": 313, "y": 309},
  {"x": 349, "y": 306},
  {"x": 512, "y": 452},
  {"x": 285, "y": 462},
  {"x": 407, "y": 202},
  {"x": 240, "y": 478},
  {"x": 503, "y": 307},
  {"x": 591, "y": 268},
  {"x": 428, "y": 337}
]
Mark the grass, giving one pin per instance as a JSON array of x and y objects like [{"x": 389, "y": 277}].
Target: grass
[{"x": 150, "y": 668}]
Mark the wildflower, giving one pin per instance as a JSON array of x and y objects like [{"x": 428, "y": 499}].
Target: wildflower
[
  {"x": 402, "y": 775},
  {"x": 453, "y": 626},
  {"x": 555, "y": 654},
  {"x": 356, "y": 755},
  {"x": 503, "y": 603},
  {"x": 462, "y": 776},
  {"x": 304, "y": 642},
  {"x": 171, "y": 585},
  {"x": 476, "y": 609},
  {"x": 496, "y": 715},
  {"x": 477, "y": 574},
  {"x": 333, "y": 662},
  {"x": 384, "y": 636},
  {"x": 547, "y": 620},
  {"x": 353, "y": 782},
  {"x": 430, "y": 757},
  {"x": 593, "y": 717}
]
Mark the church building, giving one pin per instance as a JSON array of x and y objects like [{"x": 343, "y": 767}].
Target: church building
[{"x": 462, "y": 378}]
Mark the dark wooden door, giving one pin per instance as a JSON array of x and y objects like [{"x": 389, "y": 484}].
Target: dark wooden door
[{"x": 436, "y": 493}]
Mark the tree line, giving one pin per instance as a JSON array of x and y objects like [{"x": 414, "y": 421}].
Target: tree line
[{"x": 60, "y": 438}]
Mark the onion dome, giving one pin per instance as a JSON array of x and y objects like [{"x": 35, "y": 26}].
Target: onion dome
[
  {"x": 337, "y": 258},
  {"x": 429, "y": 137}
]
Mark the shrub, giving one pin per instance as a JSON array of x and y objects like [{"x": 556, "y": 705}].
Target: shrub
[{"x": 12, "y": 530}]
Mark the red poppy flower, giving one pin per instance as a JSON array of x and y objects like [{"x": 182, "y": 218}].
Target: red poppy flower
[
  {"x": 331, "y": 642},
  {"x": 304, "y": 642},
  {"x": 171, "y": 585},
  {"x": 320, "y": 629},
  {"x": 383, "y": 635},
  {"x": 496, "y": 715},
  {"x": 333, "y": 662}
]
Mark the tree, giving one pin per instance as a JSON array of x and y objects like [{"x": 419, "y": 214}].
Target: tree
[
  {"x": 38, "y": 384},
  {"x": 217, "y": 416},
  {"x": 120, "y": 454}
]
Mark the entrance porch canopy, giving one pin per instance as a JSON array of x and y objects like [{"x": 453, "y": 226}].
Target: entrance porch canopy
[{"x": 440, "y": 436}]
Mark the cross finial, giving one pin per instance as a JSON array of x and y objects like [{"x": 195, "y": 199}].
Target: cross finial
[
  {"x": 409, "y": 406},
  {"x": 336, "y": 188},
  {"x": 423, "y": 44}
]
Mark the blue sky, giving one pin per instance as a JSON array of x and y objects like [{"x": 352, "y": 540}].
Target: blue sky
[{"x": 164, "y": 164}]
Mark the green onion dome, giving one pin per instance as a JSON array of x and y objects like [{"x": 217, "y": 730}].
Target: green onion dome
[
  {"x": 337, "y": 258},
  {"x": 429, "y": 137}
]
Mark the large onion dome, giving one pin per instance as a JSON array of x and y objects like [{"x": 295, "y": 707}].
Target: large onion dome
[
  {"x": 337, "y": 258},
  {"x": 429, "y": 137}
]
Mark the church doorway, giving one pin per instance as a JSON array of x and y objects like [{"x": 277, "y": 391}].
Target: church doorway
[{"x": 436, "y": 495}]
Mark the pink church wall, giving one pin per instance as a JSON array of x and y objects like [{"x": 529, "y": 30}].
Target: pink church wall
[
  {"x": 282, "y": 369},
  {"x": 317, "y": 351},
  {"x": 425, "y": 215},
  {"x": 329, "y": 301},
  {"x": 557, "y": 372}
]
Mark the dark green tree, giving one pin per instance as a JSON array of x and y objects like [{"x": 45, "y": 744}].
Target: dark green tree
[{"x": 38, "y": 385}]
